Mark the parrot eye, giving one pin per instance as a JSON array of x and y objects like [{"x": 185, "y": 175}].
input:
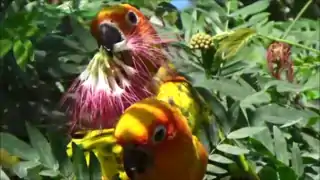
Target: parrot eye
[
  {"x": 132, "y": 18},
  {"x": 159, "y": 134}
]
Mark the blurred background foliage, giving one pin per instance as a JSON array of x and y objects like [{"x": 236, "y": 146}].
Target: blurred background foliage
[{"x": 44, "y": 45}]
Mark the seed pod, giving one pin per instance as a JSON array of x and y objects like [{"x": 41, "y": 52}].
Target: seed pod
[{"x": 201, "y": 41}]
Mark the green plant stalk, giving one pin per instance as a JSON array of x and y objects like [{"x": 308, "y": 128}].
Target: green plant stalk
[
  {"x": 297, "y": 17},
  {"x": 226, "y": 28},
  {"x": 289, "y": 42}
]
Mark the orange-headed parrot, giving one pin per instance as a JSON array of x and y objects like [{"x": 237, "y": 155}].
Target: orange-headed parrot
[
  {"x": 130, "y": 53},
  {"x": 158, "y": 143}
]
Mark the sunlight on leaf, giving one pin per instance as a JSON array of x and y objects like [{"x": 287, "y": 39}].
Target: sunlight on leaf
[
  {"x": 245, "y": 132},
  {"x": 232, "y": 149},
  {"x": 233, "y": 42}
]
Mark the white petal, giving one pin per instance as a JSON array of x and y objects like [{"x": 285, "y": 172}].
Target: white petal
[
  {"x": 121, "y": 46},
  {"x": 116, "y": 90}
]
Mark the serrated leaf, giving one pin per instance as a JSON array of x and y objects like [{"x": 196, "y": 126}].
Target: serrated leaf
[
  {"x": 18, "y": 148},
  {"x": 235, "y": 150},
  {"x": 220, "y": 159},
  {"x": 253, "y": 8},
  {"x": 6, "y": 46},
  {"x": 245, "y": 132},
  {"x": 215, "y": 169},
  {"x": 79, "y": 163},
  {"x": 21, "y": 169},
  {"x": 280, "y": 146},
  {"x": 94, "y": 167},
  {"x": 42, "y": 146},
  {"x": 297, "y": 163}
]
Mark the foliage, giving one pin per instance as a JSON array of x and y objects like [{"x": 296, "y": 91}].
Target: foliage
[{"x": 265, "y": 127}]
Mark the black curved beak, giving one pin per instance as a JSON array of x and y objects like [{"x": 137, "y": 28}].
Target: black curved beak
[
  {"x": 109, "y": 35},
  {"x": 136, "y": 161}
]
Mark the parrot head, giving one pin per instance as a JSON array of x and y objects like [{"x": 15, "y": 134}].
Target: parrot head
[
  {"x": 120, "y": 73},
  {"x": 114, "y": 25},
  {"x": 156, "y": 142}
]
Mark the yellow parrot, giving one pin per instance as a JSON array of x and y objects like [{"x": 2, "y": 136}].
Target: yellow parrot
[{"x": 158, "y": 143}]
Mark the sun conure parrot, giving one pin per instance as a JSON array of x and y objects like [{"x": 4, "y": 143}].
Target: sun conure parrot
[
  {"x": 158, "y": 143},
  {"x": 130, "y": 54}
]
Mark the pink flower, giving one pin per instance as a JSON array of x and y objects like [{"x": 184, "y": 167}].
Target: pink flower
[
  {"x": 105, "y": 89},
  {"x": 278, "y": 55}
]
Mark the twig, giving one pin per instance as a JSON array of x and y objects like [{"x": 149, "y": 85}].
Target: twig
[{"x": 297, "y": 17}]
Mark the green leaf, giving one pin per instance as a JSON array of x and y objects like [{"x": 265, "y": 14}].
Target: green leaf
[
  {"x": 21, "y": 169},
  {"x": 49, "y": 173},
  {"x": 41, "y": 145},
  {"x": 79, "y": 163},
  {"x": 83, "y": 35},
  {"x": 5, "y": 45},
  {"x": 286, "y": 173},
  {"x": 215, "y": 169},
  {"x": 58, "y": 146},
  {"x": 220, "y": 159},
  {"x": 18, "y": 148},
  {"x": 253, "y": 8},
  {"x": 31, "y": 30},
  {"x": 313, "y": 142},
  {"x": 313, "y": 82},
  {"x": 245, "y": 132},
  {"x": 235, "y": 150},
  {"x": 291, "y": 123},
  {"x": 297, "y": 163},
  {"x": 29, "y": 48},
  {"x": 265, "y": 138},
  {"x": 231, "y": 44},
  {"x": 268, "y": 173},
  {"x": 3, "y": 175},
  {"x": 216, "y": 107},
  {"x": 94, "y": 167},
  {"x": 257, "y": 98},
  {"x": 22, "y": 51},
  {"x": 277, "y": 114},
  {"x": 280, "y": 146}
]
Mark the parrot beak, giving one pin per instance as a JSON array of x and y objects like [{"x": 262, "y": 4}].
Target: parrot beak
[
  {"x": 136, "y": 160},
  {"x": 109, "y": 36}
]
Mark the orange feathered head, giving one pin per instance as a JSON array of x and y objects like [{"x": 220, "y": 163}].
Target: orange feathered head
[
  {"x": 158, "y": 144},
  {"x": 113, "y": 24}
]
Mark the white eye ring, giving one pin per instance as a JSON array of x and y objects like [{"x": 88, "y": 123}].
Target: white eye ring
[
  {"x": 159, "y": 134},
  {"x": 132, "y": 18}
]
